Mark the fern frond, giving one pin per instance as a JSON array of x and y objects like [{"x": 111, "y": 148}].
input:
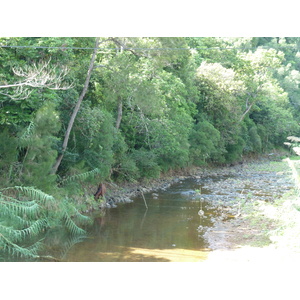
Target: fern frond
[
  {"x": 15, "y": 235},
  {"x": 69, "y": 243},
  {"x": 9, "y": 199},
  {"x": 71, "y": 210},
  {"x": 36, "y": 227},
  {"x": 36, "y": 247},
  {"x": 26, "y": 212},
  {"x": 15, "y": 250},
  {"x": 82, "y": 176},
  {"x": 72, "y": 227},
  {"x": 28, "y": 132},
  {"x": 82, "y": 218},
  {"x": 18, "y": 235},
  {"x": 29, "y": 209},
  {"x": 34, "y": 193},
  {"x": 11, "y": 218}
]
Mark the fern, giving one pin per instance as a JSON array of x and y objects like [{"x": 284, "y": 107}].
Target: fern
[
  {"x": 82, "y": 176},
  {"x": 28, "y": 209},
  {"x": 27, "y": 213},
  {"x": 32, "y": 193},
  {"x": 35, "y": 228},
  {"x": 35, "y": 248},
  {"x": 72, "y": 227},
  {"x": 19, "y": 222},
  {"x": 15, "y": 250},
  {"x": 15, "y": 235},
  {"x": 69, "y": 243},
  {"x": 28, "y": 132},
  {"x": 82, "y": 219}
]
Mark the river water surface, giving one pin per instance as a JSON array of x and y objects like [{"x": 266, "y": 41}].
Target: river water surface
[
  {"x": 173, "y": 226},
  {"x": 171, "y": 229}
]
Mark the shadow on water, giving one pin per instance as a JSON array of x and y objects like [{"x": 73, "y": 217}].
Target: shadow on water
[{"x": 169, "y": 230}]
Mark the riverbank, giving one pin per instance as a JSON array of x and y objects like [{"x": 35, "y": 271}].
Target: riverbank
[
  {"x": 258, "y": 217},
  {"x": 258, "y": 211},
  {"x": 125, "y": 191},
  {"x": 262, "y": 231}
]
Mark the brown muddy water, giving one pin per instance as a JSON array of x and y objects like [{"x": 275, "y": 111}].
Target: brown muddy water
[{"x": 169, "y": 230}]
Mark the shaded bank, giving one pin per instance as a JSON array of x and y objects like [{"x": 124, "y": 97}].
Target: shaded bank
[{"x": 236, "y": 177}]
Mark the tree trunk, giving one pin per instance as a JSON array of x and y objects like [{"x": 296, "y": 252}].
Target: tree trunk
[
  {"x": 120, "y": 113},
  {"x": 245, "y": 112},
  {"x": 76, "y": 109},
  {"x": 248, "y": 107}
]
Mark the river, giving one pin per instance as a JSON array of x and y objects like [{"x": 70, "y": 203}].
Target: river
[
  {"x": 167, "y": 230},
  {"x": 172, "y": 227}
]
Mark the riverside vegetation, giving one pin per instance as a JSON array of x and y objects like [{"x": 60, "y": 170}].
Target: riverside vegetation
[{"x": 78, "y": 111}]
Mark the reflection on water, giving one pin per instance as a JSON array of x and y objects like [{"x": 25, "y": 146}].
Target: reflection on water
[{"x": 169, "y": 230}]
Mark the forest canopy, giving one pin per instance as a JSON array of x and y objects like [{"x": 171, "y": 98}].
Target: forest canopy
[{"x": 151, "y": 104}]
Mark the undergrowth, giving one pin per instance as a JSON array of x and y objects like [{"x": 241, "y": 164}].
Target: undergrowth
[{"x": 26, "y": 214}]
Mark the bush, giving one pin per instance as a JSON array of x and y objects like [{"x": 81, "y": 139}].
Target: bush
[
  {"x": 235, "y": 150},
  {"x": 255, "y": 139},
  {"x": 204, "y": 140},
  {"x": 37, "y": 154},
  {"x": 91, "y": 145},
  {"x": 146, "y": 163},
  {"x": 168, "y": 140}
]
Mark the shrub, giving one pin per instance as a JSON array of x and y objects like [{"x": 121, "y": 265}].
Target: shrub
[{"x": 146, "y": 163}]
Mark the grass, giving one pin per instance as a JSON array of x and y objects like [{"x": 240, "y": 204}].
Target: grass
[
  {"x": 275, "y": 223},
  {"x": 270, "y": 166},
  {"x": 287, "y": 235}
]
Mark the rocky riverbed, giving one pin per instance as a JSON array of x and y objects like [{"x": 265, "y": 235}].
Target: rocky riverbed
[
  {"x": 255, "y": 212},
  {"x": 259, "y": 180},
  {"x": 235, "y": 192}
]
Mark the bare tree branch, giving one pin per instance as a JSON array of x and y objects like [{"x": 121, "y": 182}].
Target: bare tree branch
[
  {"x": 40, "y": 75},
  {"x": 19, "y": 93}
]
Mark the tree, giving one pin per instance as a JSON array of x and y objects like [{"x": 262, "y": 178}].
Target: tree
[
  {"x": 76, "y": 108},
  {"x": 37, "y": 149},
  {"x": 256, "y": 77},
  {"x": 218, "y": 103},
  {"x": 205, "y": 143},
  {"x": 128, "y": 76}
]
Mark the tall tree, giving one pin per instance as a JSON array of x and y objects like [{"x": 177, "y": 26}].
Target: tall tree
[
  {"x": 259, "y": 75},
  {"x": 76, "y": 109}
]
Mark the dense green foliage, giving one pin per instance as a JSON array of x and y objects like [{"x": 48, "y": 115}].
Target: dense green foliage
[
  {"x": 152, "y": 105},
  {"x": 25, "y": 216}
]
